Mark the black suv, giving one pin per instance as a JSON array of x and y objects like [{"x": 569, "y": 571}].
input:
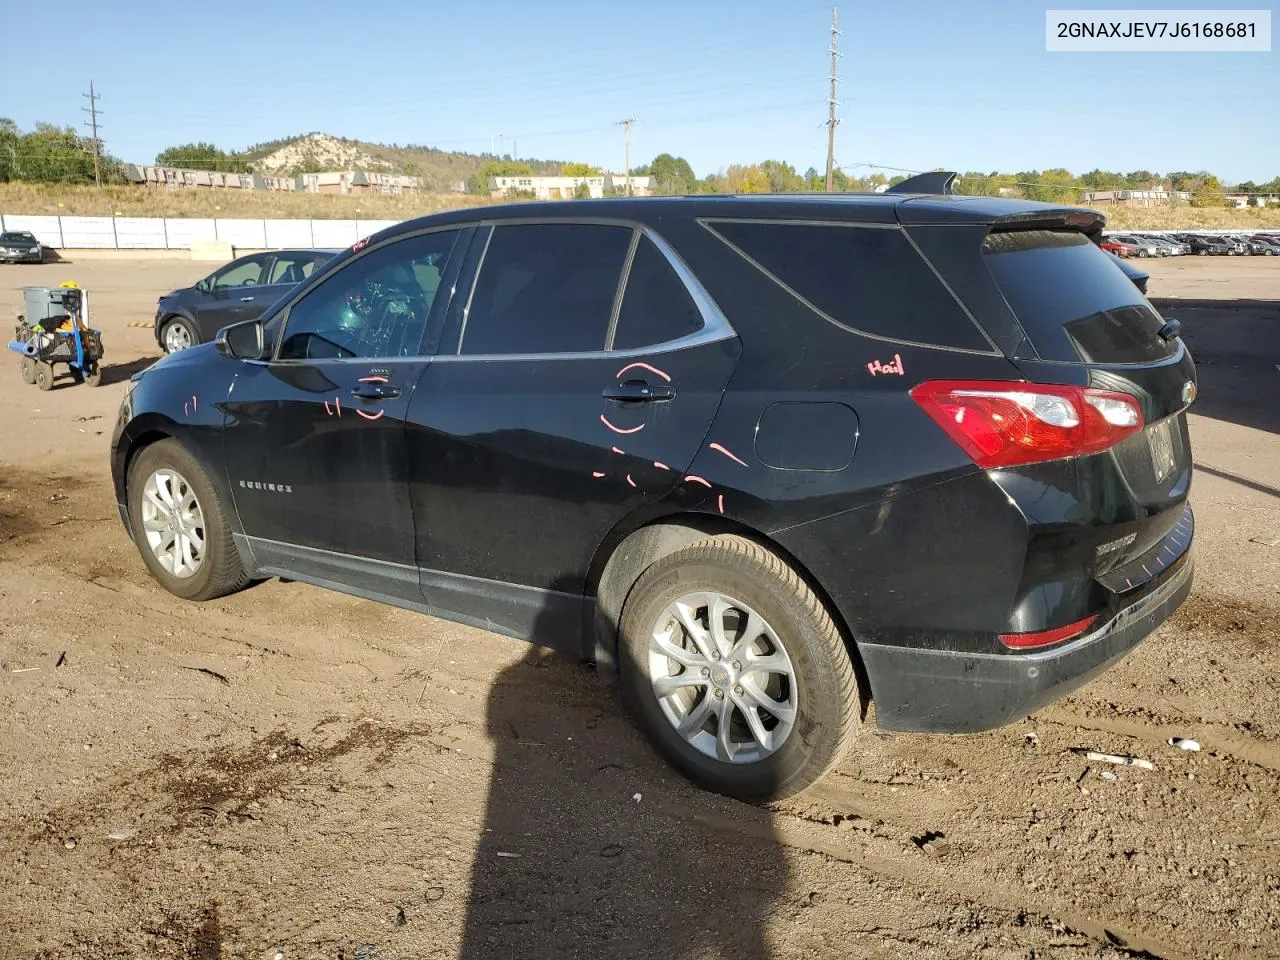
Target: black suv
[
  {"x": 240, "y": 291},
  {"x": 765, "y": 458}
]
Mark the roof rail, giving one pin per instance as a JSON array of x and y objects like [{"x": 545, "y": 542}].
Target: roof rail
[{"x": 935, "y": 181}]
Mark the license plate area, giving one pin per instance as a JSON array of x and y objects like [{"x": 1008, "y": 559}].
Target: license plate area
[{"x": 1160, "y": 445}]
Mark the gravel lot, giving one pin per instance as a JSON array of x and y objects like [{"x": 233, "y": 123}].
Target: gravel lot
[{"x": 294, "y": 771}]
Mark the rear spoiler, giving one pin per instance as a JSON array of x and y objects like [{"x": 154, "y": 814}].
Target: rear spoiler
[
  {"x": 943, "y": 183},
  {"x": 936, "y": 182}
]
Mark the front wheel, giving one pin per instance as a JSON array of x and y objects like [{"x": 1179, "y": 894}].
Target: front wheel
[
  {"x": 180, "y": 525},
  {"x": 736, "y": 671},
  {"x": 44, "y": 375},
  {"x": 27, "y": 369},
  {"x": 178, "y": 334}
]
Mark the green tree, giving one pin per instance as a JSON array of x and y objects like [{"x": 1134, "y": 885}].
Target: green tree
[
  {"x": 1141, "y": 179},
  {"x": 9, "y": 138},
  {"x": 582, "y": 192},
  {"x": 201, "y": 156},
  {"x": 1209, "y": 193},
  {"x": 579, "y": 170},
  {"x": 1051, "y": 186},
  {"x": 55, "y": 154},
  {"x": 1184, "y": 180},
  {"x": 1104, "y": 180},
  {"x": 782, "y": 177},
  {"x": 672, "y": 176}
]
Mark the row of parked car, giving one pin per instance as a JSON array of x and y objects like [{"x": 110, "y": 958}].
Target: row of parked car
[{"x": 1201, "y": 244}]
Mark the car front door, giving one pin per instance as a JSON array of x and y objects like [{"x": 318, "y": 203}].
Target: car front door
[
  {"x": 232, "y": 295},
  {"x": 574, "y": 385},
  {"x": 315, "y": 443}
]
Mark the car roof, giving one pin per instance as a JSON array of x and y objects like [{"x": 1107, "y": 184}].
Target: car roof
[{"x": 860, "y": 207}]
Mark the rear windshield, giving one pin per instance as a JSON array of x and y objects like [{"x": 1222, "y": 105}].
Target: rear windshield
[{"x": 1075, "y": 304}]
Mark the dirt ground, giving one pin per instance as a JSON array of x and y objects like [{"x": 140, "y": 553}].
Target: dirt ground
[{"x": 291, "y": 772}]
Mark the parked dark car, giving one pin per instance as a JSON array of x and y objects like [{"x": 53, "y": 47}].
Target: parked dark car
[
  {"x": 1203, "y": 245},
  {"x": 20, "y": 246},
  {"x": 1271, "y": 244},
  {"x": 763, "y": 458},
  {"x": 239, "y": 291},
  {"x": 1251, "y": 245}
]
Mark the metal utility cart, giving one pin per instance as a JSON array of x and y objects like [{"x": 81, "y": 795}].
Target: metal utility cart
[{"x": 55, "y": 329}]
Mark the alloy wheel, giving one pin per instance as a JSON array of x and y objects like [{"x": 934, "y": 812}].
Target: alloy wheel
[
  {"x": 173, "y": 523},
  {"x": 722, "y": 677},
  {"x": 176, "y": 337}
]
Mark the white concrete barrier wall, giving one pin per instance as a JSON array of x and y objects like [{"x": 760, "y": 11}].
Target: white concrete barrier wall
[
  {"x": 140, "y": 233},
  {"x": 181, "y": 232},
  {"x": 289, "y": 233},
  {"x": 334, "y": 233},
  {"x": 88, "y": 233},
  {"x": 45, "y": 229},
  {"x": 248, "y": 234}
]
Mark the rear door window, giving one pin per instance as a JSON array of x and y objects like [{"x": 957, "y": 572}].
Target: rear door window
[
  {"x": 867, "y": 279},
  {"x": 656, "y": 307},
  {"x": 1074, "y": 303},
  {"x": 546, "y": 288}
]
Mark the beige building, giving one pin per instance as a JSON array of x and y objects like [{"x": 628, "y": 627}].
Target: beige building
[
  {"x": 1134, "y": 198},
  {"x": 357, "y": 181},
  {"x": 566, "y": 188}
]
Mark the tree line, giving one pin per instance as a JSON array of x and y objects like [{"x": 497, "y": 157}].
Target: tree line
[{"x": 50, "y": 153}]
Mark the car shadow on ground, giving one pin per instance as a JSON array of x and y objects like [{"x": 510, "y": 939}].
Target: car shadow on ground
[
  {"x": 118, "y": 372},
  {"x": 592, "y": 846},
  {"x": 1236, "y": 347}
]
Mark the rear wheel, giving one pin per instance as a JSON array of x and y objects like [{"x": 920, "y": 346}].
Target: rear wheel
[
  {"x": 736, "y": 671},
  {"x": 44, "y": 375},
  {"x": 27, "y": 368},
  {"x": 180, "y": 526},
  {"x": 93, "y": 377},
  {"x": 1202, "y": 253}
]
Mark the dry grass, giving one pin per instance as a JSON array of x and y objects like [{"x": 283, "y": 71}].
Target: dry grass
[
  {"x": 1192, "y": 218},
  {"x": 34, "y": 198}
]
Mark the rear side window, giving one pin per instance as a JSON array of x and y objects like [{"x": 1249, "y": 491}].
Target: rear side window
[
  {"x": 1074, "y": 303},
  {"x": 656, "y": 307},
  {"x": 546, "y": 288},
  {"x": 868, "y": 279}
]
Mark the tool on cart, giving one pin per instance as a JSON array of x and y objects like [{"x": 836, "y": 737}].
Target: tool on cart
[{"x": 55, "y": 330}]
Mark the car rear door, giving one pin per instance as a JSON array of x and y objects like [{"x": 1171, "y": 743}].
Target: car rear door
[
  {"x": 574, "y": 385},
  {"x": 315, "y": 438}
]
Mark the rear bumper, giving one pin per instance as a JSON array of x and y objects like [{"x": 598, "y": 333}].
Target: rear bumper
[{"x": 942, "y": 691}]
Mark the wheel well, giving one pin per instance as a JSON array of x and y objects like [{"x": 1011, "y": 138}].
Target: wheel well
[
  {"x": 616, "y": 572},
  {"x": 136, "y": 446}
]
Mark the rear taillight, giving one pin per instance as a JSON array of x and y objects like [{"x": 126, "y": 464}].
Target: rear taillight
[
  {"x": 1044, "y": 638},
  {"x": 1007, "y": 423}
]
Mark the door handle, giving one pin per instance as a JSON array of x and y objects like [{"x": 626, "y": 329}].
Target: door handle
[
  {"x": 638, "y": 391},
  {"x": 247, "y": 299},
  {"x": 375, "y": 391}
]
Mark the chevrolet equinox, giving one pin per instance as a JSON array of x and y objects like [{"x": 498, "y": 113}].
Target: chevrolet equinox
[{"x": 765, "y": 460}]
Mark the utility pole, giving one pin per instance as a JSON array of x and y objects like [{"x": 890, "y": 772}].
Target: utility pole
[
  {"x": 832, "y": 120},
  {"x": 92, "y": 110},
  {"x": 626, "y": 148}
]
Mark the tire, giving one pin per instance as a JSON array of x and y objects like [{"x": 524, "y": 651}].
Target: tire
[
  {"x": 1142, "y": 253},
  {"x": 822, "y": 686},
  {"x": 27, "y": 368},
  {"x": 178, "y": 334},
  {"x": 94, "y": 377},
  {"x": 219, "y": 570},
  {"x": 44, "y": 375}
]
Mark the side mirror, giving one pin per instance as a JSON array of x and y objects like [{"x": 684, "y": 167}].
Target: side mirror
[{"x": 242, "y": 341}]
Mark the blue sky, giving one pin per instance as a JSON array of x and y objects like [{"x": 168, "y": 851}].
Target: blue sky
[{"x": 924, "y": 83}]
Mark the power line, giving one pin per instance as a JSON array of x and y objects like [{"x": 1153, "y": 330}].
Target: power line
[
  {"x": 832, "y": 119},
  {"x": 92, "y": 110}
]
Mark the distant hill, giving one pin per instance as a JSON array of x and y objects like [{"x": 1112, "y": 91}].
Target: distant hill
[{"x": 311, "y": 152}]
